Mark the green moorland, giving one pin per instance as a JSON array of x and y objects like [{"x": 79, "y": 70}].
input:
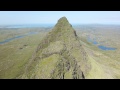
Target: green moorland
[
  {"x": 15, "y": 54},
  {"x": 105, "y": 64}
]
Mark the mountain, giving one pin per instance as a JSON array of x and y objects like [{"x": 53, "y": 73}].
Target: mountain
[{"x": 60, "y": 55}]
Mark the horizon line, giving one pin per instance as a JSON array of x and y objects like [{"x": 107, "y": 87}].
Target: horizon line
[{"x": 55, "y": 23}]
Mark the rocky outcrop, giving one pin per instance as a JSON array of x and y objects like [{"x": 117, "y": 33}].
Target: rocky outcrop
[{"x": 71, "y": 59}]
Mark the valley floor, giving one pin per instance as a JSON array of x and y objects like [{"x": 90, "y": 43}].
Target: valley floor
[
  {"x": 105, "y": 63},
  {"x": 15, "y": 54}
]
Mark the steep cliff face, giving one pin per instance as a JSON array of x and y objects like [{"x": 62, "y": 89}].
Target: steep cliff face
[{"x": 59, "y": 55}]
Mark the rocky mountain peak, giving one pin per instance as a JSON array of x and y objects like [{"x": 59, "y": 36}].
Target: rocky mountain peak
[{"x": 59, "y": 55}]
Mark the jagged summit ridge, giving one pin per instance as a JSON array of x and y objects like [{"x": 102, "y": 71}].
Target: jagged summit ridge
[
  {"x": 63, "y": 19},
  {"x": 59, "y": 55},
  {"x": 63, "y": 23}
]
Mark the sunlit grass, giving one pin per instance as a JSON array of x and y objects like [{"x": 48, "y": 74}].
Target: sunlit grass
[{"x": 13, "y": 59}]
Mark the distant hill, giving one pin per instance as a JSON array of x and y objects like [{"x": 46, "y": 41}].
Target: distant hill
[{"x": 59, "y": 55}]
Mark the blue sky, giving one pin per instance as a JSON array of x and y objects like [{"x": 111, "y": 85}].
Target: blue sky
[{"x": 78, "y": 17}]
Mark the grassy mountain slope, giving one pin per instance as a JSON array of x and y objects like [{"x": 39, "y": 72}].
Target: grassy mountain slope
[{"x": 61, "y": 44}]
